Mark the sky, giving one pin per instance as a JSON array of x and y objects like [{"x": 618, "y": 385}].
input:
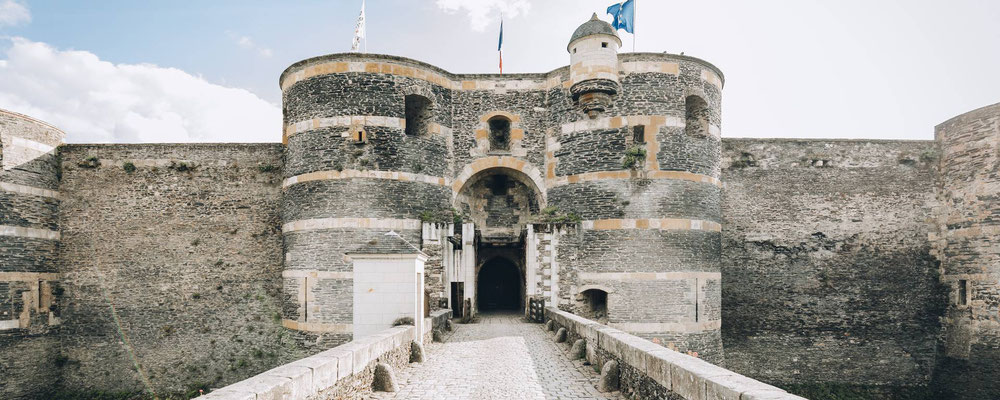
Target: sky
[{"x": 207, "y": 71}]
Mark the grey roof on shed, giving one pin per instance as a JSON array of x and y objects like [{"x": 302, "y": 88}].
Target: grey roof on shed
[{"x": 594, "y": 27}]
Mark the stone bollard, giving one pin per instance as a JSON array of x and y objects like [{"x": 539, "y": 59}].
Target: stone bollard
[
  {"x": 385, "y": 379},
  {"x": 448, "y": 326},
  {"x": 437, "y": 335},
  {"x": 609, "y": 377},
  {"x": 549, "y": 325},
  {"x": 579, "y": 349},
  {"x": 416, "y": 352},
  {"x": 561, "y": 335}
]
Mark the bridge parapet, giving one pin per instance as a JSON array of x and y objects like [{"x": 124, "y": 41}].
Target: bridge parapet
[
  {"x": 651, "y": 371},
  {"x": 341, "y": 372}
]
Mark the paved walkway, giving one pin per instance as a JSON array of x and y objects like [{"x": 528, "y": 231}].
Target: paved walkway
[{"x": 500, "y": 357}]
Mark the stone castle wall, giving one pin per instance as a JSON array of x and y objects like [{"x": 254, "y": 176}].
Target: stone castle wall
[
  {"x": 174, "y": 267},
  {"x": 828, "y": 275},
  {"x": 171, "y": 271},
  {"x": 965, "y": 243}
]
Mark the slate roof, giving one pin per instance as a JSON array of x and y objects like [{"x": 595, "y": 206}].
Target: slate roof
[{"x": 594, "y": 27}]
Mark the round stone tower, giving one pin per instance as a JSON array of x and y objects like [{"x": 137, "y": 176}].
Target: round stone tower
[
  {"x": 968, "y": 187},
  {"x": 636, "y": 155},
  {"x": 29, "y": 245},
  {"x": 593, "y": 65},
  {"x": 366, "y": 154}
]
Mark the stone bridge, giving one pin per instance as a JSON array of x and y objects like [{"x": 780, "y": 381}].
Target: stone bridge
[{"x": 501, "y": 356}]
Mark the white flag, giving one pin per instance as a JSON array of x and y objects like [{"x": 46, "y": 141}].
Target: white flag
[{"x": 359, "y": 29}]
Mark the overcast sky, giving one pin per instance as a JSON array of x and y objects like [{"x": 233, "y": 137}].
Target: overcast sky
[{"x": 207, "y": 71}]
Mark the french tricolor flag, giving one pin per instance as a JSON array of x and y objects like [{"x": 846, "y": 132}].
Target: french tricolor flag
[{"x": 500, "y": 45}]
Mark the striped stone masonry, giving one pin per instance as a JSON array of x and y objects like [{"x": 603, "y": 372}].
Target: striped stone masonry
[
  {"x": 369, "y": 174},
  {"x": 454, "y": 82},
  {"x": 364, "y": 223},
  {"x": 621, "y": 175},
  {"x": 318, "y": 327},
  {"x": 28, "y": 190},
  {"x": 33, "y": 233},
  {"x": 348, "y": 121},
  {"x": 651, "y": 169},
  {"x": 652, "y": 223}
]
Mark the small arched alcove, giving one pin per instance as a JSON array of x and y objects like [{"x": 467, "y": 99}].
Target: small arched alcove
[
  {"x": 499, "y": 286},
  {"x": 594, "y": 304},
  {"x": 696, "y": 116},
  {"x": 418, "y": 114}
]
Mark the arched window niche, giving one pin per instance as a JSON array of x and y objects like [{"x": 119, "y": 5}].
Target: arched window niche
[
  {"x": 499, "y": 133},
  {"x": 419, "y": 111},
  {"x": 696, "y": 116}
]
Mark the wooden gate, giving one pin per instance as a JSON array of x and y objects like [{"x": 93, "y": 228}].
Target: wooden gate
[{"x": 536, "y": 310}]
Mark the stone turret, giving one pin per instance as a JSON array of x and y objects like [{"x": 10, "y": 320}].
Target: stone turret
[{"x": 593, "y": 54}]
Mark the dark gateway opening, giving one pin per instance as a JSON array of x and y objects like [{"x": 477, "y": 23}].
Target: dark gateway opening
[{"x": 499, "y": 286}]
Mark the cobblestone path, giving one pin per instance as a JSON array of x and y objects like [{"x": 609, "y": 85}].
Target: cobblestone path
[{"x": 500, "y": 357}]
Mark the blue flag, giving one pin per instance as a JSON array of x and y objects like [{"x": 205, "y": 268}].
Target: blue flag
[{"x": 624, "y": 14}]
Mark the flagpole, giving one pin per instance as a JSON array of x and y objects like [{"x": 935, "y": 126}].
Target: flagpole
[{"x": 634, "y": 3}]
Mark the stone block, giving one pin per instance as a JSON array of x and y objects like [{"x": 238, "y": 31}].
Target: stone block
[
  {"x": 610, "y": 376},
  {"x": 324, "y": 370},
  {"x": 385, "y": 378},
  {"x": 300, "y": 377},
  {"x": 769, "y": 395},
  {"x": 416, "y": 352},
  {"x": 686, "y": 377},
  {"x": 230, "y": 393},
  {"x": 579, "y": 349},
  {"x": 561, "y": 335},
  {"x": 271, "y": 387},
  {"x": 731, "y": 386},
  {"x": 345, "y": 360},
  {"x": 658, "y": 366}
]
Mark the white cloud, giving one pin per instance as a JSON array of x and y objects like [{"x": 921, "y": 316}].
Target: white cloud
[
  {"x": 97, "y": 101},
  {"x": 245, "y": 42},
  {"x": 13, "y": 13},
  {"x": 483, "y": 12}
]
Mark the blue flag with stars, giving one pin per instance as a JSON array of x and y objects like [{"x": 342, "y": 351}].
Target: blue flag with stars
[{"x": 624, "y": 14}]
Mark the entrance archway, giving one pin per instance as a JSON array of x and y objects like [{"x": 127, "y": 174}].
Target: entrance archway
[{"x": 499, "y": 286}]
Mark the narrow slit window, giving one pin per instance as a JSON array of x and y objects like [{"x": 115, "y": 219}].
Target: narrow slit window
[{"x": 963, "y": 292}]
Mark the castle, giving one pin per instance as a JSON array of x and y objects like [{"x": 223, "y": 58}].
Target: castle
[{"x": 603, "y": 188}]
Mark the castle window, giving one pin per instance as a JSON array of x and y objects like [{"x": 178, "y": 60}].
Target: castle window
[
  {"x": 359, "y": 136},
  {"x": 604, "y": 44},
  {"x": 574, "y": 50},
  {"x": 418, "y": 115},
  {"x": 963, "y": 292},
  {"x": 499, "y": 134},
  {"x": 696, "y": 116},
  {"x": 639, "y": 134}
]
